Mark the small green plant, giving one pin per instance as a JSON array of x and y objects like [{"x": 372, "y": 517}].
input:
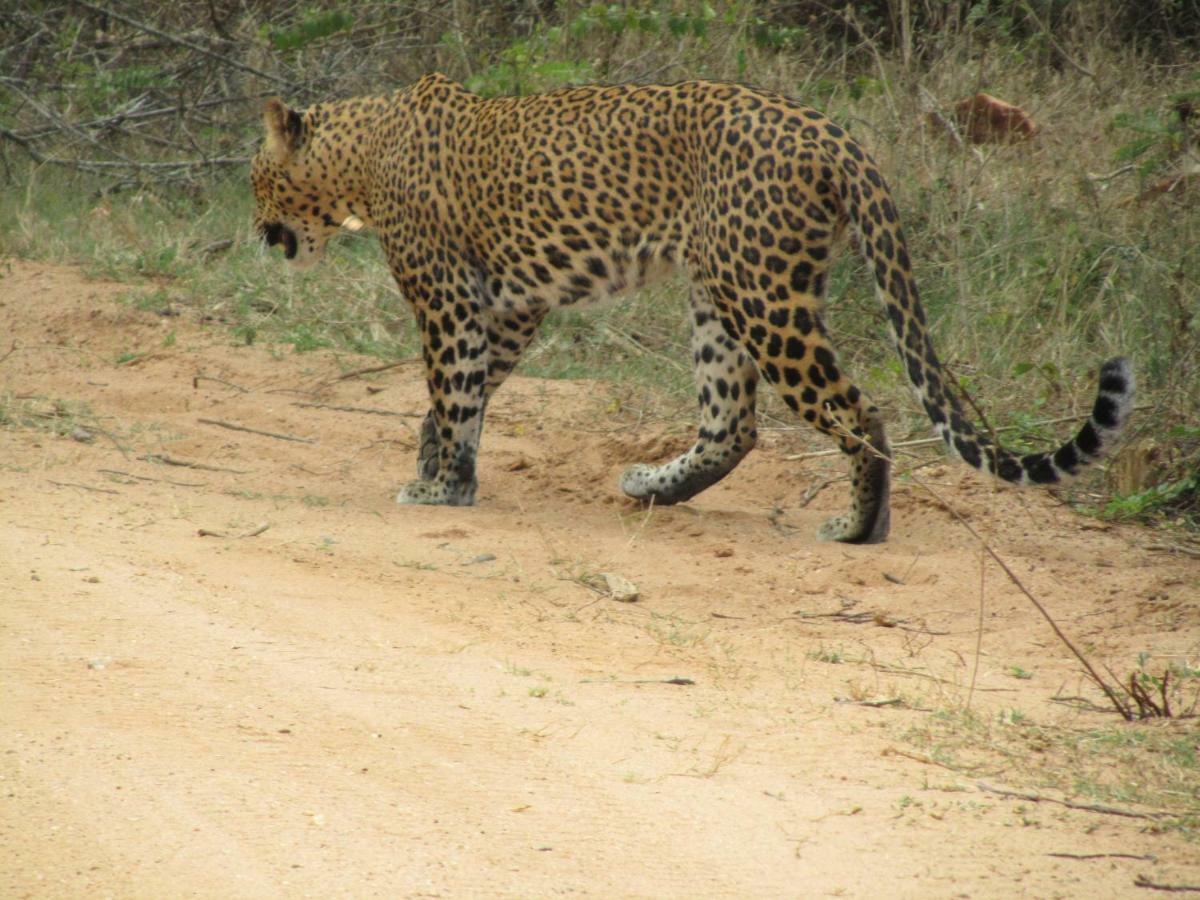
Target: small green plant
[
  {"x": 304, "y": 339},
  {"x": 1156, "y": 500},
  {"x": 315, "y": 25},
  {"x": 524, "y": 68},
  {"x": 1162, "y": 695},
  {"x": 245, "y": 333},
  {"x": 1155, "y": 766},
  {"x": 58, "y": 417},
  {"x": 1160, "y": 137},
  {"x": 827, "y": 655},
  {"x": 674, "y": 631}
]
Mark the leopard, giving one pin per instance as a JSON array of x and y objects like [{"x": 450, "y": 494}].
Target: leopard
[{"x": 492, "y": 211}]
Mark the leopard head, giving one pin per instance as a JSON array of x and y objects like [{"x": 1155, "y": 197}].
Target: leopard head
[{"x": 299, "y": 202}]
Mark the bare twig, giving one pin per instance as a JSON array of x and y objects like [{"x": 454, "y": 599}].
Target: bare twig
[
  {"x": 359, "y": 409},
  {"x": 215, "y": 247},
  {"x": 253, "y": 532},
  {"x": 816, "y": 487},
  {"x": 1144, "y": 881},
  {"x": 1144, "y": 856},
  {"x": 684, "y": 682},
  {"x": 1173, "y": 548},
  {"x": 1117, "y": 702},
  {"x": 1087, "y": 807},
  {"x": 51, "y": 115},
  {"x": 121, "y": 118},
  {"x": 932, "y": 110},
  {"x": 925, "y": 758},
  {"x": 183, "y": 42},
  {"x": 271, "y": 434},
  {"x": 104, "y": 165},
  {"x": 24, "y": 144},
  {"x": 166, "y": 460},
  {"x": 370, "y": 370},
  {"x": 1116, "y": 173},
  {"x": 1049, "y": 35},
  {"x": 196, "y": 379},
  {"x": 86, "y": 487},
  {"x": 629, "y": 342},
  {"x": 121, "y": 474}
]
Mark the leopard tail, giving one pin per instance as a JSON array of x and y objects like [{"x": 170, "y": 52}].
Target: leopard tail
[{"x": 868, "y": 204}]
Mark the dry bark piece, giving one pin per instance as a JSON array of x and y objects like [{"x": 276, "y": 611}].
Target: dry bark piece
[
  {"x": 1175, "y": 186},
  {"x": 985, "y": 119}
]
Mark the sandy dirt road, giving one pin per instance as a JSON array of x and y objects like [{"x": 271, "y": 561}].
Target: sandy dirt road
[{"x": 334, "y": 696}]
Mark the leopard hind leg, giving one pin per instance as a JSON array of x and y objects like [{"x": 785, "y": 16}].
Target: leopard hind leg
[
  {"x": 726, "y": 382},
  {"x": 796, "y": 356},
  {"x": 815, "y": 386}
]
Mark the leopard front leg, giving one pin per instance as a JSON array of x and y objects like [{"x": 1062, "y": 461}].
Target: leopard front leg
[
  {"x": 508, "y": 334},
  {"x": 726, "y": 380},
  {"x": 454, "y": 347}
]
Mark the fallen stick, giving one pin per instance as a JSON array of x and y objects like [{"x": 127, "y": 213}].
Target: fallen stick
[
  {"x": 118, "y": 472},
  {"x": 685, "y": 682},
  {"x": 1173, "y": 548},
  {"x": 271, "y": 434},
  {"x": 1144, "y": 856},
  {"x": 359, "y": 409},
  {"x": 86, "y": 487},
  {"x": 172, "y": 461},
  {"x": 253, "y": 532},
  {"x": 215, "y": 247},
  {"x": 196, "y": 379},
  {"x": 926, "y": 759},
  {"x": 1143, "y": 882},
  {"x": 1087, "y": 807},
  {"x": 370, "y": 370}
]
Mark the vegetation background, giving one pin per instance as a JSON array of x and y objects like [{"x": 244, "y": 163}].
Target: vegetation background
[{"x": 126, "y": 129}]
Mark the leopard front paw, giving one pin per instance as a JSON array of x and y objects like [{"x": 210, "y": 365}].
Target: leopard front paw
[
  {"x": 852, "y": 529},
  {"x": 638, "y": 482},
  {"x": 435, "y": 493}
]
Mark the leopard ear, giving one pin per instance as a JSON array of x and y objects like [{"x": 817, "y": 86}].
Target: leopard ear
[{"x": 285, "y": 128}]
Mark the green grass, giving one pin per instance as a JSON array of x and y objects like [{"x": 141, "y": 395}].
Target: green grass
[
  {"x": 1145, "y": 766},
  {"x": 828, "y": 655},
  {"x": 58, "y": 417}
]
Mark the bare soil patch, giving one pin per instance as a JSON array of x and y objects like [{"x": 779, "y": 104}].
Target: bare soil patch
[{"x": 330, "y": 695}]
